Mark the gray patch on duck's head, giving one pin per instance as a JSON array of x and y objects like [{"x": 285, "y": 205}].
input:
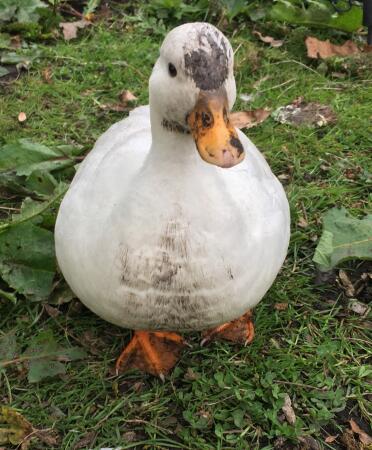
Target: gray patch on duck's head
[{"x": 208, "y": 64}]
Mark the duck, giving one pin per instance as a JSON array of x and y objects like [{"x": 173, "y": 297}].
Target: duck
[{"x": 174, "y": 221}]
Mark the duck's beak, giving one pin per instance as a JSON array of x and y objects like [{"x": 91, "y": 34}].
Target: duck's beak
[{"x": 215, "y": 137}]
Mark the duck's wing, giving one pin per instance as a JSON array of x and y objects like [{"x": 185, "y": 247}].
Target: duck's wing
[{"x": 132, "y": 134}]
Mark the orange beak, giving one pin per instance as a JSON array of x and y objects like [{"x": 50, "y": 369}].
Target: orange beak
[{"x": 215, "y": 137}]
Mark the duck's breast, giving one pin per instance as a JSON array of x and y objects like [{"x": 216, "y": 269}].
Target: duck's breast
[{"x": 177, "y": 247}]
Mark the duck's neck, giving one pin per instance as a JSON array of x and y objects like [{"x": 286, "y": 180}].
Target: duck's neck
[{"x": 170, "y": 141}]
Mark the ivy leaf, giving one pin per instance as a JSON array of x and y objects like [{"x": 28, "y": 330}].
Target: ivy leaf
[
  {"x": 343, "y": 238},
  {"x": 27, "y": 260},
  {"x": 46, "y": 357}
]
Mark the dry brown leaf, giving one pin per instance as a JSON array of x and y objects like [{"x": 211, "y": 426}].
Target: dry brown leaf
[
  {"x": 249, "y": 119},
  {"x": 22, "y": 117},
  {"x": 51, "y": 311},
  {"x": 16, "y": 41},
  {"x": 302, "y": 113},
  {"x": 346, "y": 283},
  {"x": 130, "y": 436},
  {"x": 281, "y": 306},
  {"x": 127, "y": 96},
  {"x": 324, "y": 49},
  {"x": 190, "y": 375},
  {"x": 365, "y": 438},
  {"x": 288, "y": 410},
  {"x": 284, "y": 177},
  {"x": 302, "y": 222},
  {"x": 47, "y": 75},
  {"x": 49, "y": 437},
  {"x": 269, "y": 40},
  {"x": 349, "y": 441},
  {"x": 309, "y": 443},
  {"x": 330, "y": 439},
  {"x": 85, "y": 441},
  {"x": 358, "y": 307},
  {"x": 70, "y": 29}
]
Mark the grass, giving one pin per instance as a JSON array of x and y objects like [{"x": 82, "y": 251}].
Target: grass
[{"x": 221, "y": 396}]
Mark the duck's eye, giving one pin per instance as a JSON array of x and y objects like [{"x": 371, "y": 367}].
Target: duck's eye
[
  {"x": 206, "y": 119},
  {"x": 172, "y": 70}
]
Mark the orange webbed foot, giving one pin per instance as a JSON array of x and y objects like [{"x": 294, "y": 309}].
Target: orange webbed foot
[
  {"x": 154, "y": 352},
  {"x": 240, "y": 330}
]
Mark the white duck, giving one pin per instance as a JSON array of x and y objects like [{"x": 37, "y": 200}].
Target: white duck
[{"x": 174, "y": 221}]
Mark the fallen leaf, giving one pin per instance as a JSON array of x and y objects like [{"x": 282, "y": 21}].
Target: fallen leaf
[
  {"x": 349, "y": 441},
  {"x": 302, "y": 222},
  {"x": 302, "y": 113},
  {"x": 49, "y": 437},
  {"x": 346, "y": 283},
  {"x": 191, "y": 375},
  {"x": 51, "y": 311},
  {"x": 16, "y": 41},
  {"x": 47, "y": 75},
  {"x": 17, "y": 430},
  {"x": 27, "y": 260},
  {"x": 14, "y": 427},
  {"x": 249, "y": 119},
  {"x": 309, "y": 443},
  {"x": 358, "y": 307},
  {"x": 247, "y": 97},
  {"x": 130, "y": 436},
  {"x": 288, "y": 410},
  {"x": 268, "y": 39},
  {"x": 330, "y": 439},
  {"x": 365, "y": 438},
  {"x": 70, "y": 29},
  {"x": 324, "y": 49},
  {"x": 281, "y": 306},
  {"x": 127, "y": 96},
  {"x": 85, "y": 441},
  {"x": 46, "y": 357},
  {"x": 22, "y": 117},
  {"x": 284, "y": 177}
]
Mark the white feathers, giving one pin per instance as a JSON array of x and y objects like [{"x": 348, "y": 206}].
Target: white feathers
[{"x": 149, "y": 236}]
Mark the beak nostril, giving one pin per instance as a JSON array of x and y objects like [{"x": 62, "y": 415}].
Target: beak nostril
[{"x": 224, "y": 151}]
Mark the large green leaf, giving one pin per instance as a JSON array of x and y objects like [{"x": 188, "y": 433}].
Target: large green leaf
[
  {"x": 343, "y": 238},
  {"x": 8, "y": 346},
  {"x": 27, "y": 260},
  {"x": 21, "y": 10},
  {"x": 46, "y": 357},
  {"x": 7, "y": 9},
  {"x": 318, "y": 13},
  {"x": 25, "y": 157}
]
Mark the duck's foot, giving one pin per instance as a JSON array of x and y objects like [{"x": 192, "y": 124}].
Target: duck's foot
[
  {"x": 240, "y": 330},
  {"x": 154, "y": 352}
]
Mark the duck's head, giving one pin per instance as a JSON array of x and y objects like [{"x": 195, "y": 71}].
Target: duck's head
[{"x": 192, "y": 90}]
